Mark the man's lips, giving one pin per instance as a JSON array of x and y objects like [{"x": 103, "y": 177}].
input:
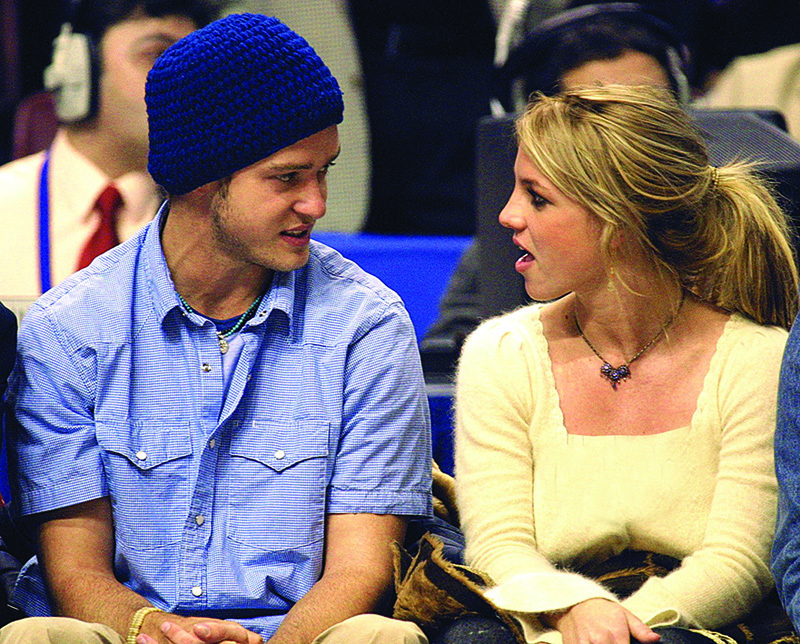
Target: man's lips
[{"x": 297, "y": 236}]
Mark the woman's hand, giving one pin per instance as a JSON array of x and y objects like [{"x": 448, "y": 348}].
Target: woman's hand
[{"x": 600, "y": 621}]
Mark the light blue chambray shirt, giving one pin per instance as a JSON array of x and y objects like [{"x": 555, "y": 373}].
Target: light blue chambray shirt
[{"x": 219, "y": 497}]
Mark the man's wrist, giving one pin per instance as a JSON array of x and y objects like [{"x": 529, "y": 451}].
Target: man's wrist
[{"x": 137, "y": 620}]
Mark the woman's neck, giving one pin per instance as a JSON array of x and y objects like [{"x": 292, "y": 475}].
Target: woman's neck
[{"x": 620, "y": 319}]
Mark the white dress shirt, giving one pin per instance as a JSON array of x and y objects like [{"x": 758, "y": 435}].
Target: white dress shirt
[{"x": 74, "y": 185}]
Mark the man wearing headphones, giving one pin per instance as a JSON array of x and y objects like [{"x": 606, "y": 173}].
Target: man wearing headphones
[
  {"x": 221, "y": 425},
  {"x": 90, "y": 190}
]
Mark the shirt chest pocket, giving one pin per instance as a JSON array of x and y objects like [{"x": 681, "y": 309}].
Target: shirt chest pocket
[
  {"x": 278, "y": 481},
  {"x": 148, "y": 468}
]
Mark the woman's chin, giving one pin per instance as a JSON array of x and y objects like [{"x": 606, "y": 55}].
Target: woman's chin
[{"x": 541, "y": 293}]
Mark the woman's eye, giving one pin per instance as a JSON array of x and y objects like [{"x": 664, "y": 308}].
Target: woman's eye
[{"x": 537, "y": 200}]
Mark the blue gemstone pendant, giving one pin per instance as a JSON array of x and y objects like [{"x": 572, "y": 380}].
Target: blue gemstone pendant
[{"x": 615, "y": 374}]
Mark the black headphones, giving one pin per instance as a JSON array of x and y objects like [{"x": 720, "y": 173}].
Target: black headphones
[
  {"x": 535, "y": 47},
  {"x": 73, "y": 74}
]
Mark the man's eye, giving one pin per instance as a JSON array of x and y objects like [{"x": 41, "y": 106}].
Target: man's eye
[
  {"x": 152, "y": 52},
  {"x": 287, "y": 178}
]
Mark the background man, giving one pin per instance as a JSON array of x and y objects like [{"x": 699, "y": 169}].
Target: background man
[
  {"x": 95, "y": 190},
  {"x": 233, "y": 417}
]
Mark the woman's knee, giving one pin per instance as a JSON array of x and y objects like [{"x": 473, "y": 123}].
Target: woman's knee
[{"x": 475, "y": 629}]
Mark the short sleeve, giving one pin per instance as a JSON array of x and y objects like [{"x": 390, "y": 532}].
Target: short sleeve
[{"x": 383, "y": 464}]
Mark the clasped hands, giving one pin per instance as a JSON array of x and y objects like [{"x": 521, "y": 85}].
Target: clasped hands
[{"x": 173, "y": 629}]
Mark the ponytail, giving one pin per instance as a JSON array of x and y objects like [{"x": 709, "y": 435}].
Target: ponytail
[{"x": 748, "y": 265}]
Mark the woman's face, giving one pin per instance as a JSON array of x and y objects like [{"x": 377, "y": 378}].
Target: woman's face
[{"x": 560, "y": 238}]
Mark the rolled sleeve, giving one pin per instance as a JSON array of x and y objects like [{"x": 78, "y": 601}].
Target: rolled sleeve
[
  {"x": 383, "y": 465},
  {"x": 54, "y": 457}
]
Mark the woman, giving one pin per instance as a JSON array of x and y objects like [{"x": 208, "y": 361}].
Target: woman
[{"x": 635, "y": 409}]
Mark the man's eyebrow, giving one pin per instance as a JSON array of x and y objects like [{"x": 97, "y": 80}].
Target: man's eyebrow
[
  {"x": 167, "y": 39},
  {"x": 289, "y": 167},
  {"x": 293, "y": 167}
]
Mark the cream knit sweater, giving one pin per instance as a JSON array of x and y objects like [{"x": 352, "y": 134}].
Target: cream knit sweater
[{"x": 533, "y": 497}]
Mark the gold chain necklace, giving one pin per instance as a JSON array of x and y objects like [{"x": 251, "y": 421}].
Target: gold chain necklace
[{"x": 615, "y": 375}]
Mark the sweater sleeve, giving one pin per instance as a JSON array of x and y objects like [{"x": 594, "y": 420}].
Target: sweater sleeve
[
  {"x": 497, "y": 386},
  {"x": 724, "y": 579}
]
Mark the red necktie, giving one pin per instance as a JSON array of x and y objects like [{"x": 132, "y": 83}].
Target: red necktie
[{"x": 105, "y": 237}]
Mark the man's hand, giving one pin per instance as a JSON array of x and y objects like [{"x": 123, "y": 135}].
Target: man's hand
[
  {"x": 163, "y": 628},
  {"x": 600, "y": 621}
]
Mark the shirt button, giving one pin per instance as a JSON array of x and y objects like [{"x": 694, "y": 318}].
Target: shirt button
[
  {"x": 197, "y": 591},
  {"x": 199, "y": 519},
  {"x": 141, "y": 455},
  {"x": 280, "y": 454},
  {"x": 212, "y": 443},
  {"x": 206, "y": 367}
]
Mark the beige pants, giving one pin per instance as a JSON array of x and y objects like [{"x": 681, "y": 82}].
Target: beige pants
[{"x": 362, "y": 629}]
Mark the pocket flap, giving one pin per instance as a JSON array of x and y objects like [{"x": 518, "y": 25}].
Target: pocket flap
[
  {"x": 146, "y": 443},
  {"x": 281, "y": 444}
]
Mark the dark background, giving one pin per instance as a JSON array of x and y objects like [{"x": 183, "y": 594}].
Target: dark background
[{"x": 425, "y": 96}]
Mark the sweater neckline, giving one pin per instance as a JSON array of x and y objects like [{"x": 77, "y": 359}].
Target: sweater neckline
[{"x": 735, "y": 321}]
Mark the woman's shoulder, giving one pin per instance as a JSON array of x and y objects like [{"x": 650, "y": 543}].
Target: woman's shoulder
[
  {"x": 741, "y": 332},
  {"x": 522, "y": 321},
  {"x": 506, "y": 338},
  {"x": 749, "y": 349}
]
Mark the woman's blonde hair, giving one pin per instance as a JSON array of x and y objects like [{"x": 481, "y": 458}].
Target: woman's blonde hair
[{"x": 632, "y": 157}]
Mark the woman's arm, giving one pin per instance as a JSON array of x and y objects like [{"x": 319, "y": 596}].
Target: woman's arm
[
  {"x": 498, "y": 381},
  {"x": 725, "y": 578},
  {"x": 493, "y": 457}
]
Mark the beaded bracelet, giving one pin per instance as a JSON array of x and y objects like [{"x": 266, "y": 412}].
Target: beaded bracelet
[{"x": 136, "y": 622}]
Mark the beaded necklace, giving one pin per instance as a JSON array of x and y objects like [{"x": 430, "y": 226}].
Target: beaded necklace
[{"x": 222, "y": 336}]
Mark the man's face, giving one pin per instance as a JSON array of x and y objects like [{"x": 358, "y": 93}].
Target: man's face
[
  {"x": 630, "y": 68},
  {"x": 264, "y": 215},
  {"x": 128, "y": 50}
]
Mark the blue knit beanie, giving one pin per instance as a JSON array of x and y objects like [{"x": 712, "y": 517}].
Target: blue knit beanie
[{"x": 233, "y": 93}]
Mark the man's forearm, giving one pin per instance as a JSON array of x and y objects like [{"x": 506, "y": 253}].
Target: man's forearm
[
  {"x": 94, "y": 598},
  {"x": 76, "y": 554},
  {"x": 334, "y": 598}
]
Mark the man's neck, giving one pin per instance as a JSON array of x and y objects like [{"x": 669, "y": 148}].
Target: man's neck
[
  {"x": 209, "y": 283},
  {"x": 106, "y": 152}
]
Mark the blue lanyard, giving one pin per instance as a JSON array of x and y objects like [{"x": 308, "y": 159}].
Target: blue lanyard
[{"x": 44, "y": 225}]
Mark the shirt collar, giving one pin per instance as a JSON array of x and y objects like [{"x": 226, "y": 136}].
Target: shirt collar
[
  {"x": 83, "y": 182},
  {"x": 280, "y": 296}
]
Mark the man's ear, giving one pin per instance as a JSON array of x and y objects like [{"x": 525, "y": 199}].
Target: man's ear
[
  {"x": 209, "y": 189},
  {"x": 201, "y": 198}
]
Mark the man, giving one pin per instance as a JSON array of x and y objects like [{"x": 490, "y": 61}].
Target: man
[
  {"x": 95, "y": 190},
  {"x": 233, "y": 417},
  {"x": 9, "y": 564}
]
